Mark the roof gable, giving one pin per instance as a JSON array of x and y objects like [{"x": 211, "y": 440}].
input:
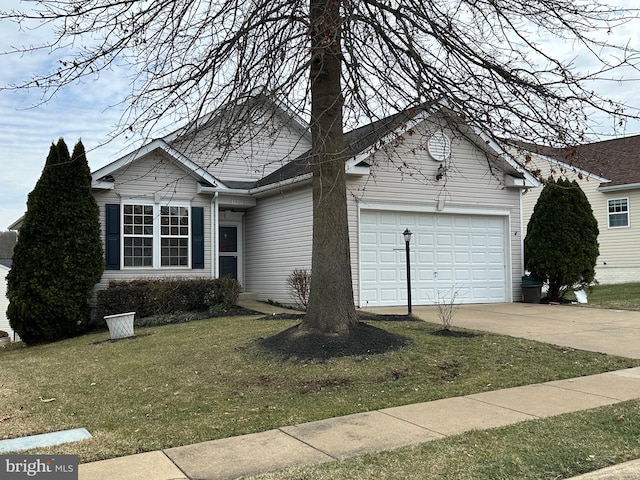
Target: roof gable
[
  {"x": 101, "y": 177},
  {"x": 362, "y": 142}
]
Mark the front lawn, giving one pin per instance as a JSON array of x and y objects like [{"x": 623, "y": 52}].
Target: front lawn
[
  {"x": 186, "y": 383},
  {"x": 624, "y": 296}
]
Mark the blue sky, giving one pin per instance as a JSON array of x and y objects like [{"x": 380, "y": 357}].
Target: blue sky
[{"x": 90, "y": 111}]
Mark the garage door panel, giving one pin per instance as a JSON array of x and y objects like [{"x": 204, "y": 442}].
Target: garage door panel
[
  {"x": 424, "y": 257},
  {"x": 388, "y": 275},
  {"x": 424, "y": 239},
  {"x": 389, "y": 295},
  {"x": 422, "y": 274},
  {"x": 368, "y": 238},
  {"x": 388, "y": 239},
  {"x": 449, "y": 253},
  {"x": 369, "y": 275},
  {"x": 462, "y": 258},
  {"x": 388, "y": 219},
  {"x": 387, "y": 257},
  {"x": 444, "y": 258},
  {"x": 444, "y": 240}
]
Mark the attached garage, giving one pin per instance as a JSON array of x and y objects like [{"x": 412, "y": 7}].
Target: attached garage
[{"x": 464, "y": 253}]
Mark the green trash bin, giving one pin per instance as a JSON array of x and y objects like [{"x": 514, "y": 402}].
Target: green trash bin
[{"x": 531, "y": 289}]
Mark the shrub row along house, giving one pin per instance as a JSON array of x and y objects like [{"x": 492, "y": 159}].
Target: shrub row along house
[
  {"x": 188, "y": 206},
  {"x": 608, "y": 172}
]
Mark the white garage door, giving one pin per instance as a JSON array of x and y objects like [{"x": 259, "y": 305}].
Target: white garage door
[{"x": 450, "y": 254}]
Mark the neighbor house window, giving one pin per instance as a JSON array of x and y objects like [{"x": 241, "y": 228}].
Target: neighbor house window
[{"x": 618, "y": 212}]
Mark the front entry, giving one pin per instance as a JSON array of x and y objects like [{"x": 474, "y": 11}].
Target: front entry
[{"x": 228, "y": 257}]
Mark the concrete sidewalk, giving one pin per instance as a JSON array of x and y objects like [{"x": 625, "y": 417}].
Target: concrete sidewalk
[
  {"x": 352, "y": 435},
  {"x": 337, "y": 438}
]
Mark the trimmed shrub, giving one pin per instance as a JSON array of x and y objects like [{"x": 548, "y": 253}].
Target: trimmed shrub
[
  {"x": 153, "y": 297},
  {"x": 58, "y": 258},
  {"x": 561, "y": 246}
]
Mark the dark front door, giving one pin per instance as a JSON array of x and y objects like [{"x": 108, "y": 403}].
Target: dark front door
[{"x": 228, "y": 258}]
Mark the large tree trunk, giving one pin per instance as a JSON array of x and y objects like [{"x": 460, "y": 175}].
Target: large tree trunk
[{"x": 331, "y": 307}]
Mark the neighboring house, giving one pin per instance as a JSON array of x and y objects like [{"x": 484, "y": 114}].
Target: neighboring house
[
  {"x": 5, "y": 265},
  {"x": 609, "y": 174},
  {"x": 173, "y": 209}
]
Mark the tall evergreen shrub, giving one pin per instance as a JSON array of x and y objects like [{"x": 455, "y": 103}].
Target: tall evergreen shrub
[
  {"x": 58, "y": 258},
  {"x": 561, "y": 246}
]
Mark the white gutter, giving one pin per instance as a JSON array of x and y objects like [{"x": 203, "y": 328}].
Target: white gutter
[
  {"x": 227, "y": 191},
  {"x": 283, "y": 184},
  {"x": 616, "y": 188}
]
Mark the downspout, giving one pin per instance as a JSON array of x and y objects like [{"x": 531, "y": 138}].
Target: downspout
[
  {"x": 522, "y": 227},
  {"x": 215, "y": 259}
]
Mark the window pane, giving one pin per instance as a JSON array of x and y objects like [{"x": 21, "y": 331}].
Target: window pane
[
  {"x": 618, "y": 212},
  {"x": 618, "y": 220},
  {"x": 174, "y": 240},
  {"x": 228, "y": 239},
  {"x": 174, "y": 252},
  {"x": 138, "y": 235}
]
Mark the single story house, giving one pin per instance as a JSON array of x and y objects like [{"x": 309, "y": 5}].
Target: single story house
[
  {"x": 609, "y": 174},
  {"x": 188, "y": 206}
]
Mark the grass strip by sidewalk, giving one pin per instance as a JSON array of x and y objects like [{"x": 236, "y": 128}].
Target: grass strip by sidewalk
[
  {"x": 187, "y": 383},
  {"x": 553, "y": 448}
]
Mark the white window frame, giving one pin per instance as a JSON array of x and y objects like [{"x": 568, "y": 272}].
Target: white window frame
[
  {"x": 627, "y": 212},
  {"x": 157, "y": 237}
]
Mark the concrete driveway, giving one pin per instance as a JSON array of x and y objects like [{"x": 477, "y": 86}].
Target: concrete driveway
[{"x": 615, "y": 332}]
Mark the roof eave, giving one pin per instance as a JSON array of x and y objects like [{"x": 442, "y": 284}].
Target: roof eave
[
  {"x": 618, "y": 188},
  {"x": 157, "y": 144}
]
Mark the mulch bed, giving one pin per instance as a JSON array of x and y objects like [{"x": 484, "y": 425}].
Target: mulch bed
[{"x": 363, "y": 339}]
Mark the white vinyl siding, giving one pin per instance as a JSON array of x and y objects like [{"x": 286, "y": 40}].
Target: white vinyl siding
[
  {"x": 253, "y": 153},
  {"x": 278, "y": 240},
  {"x": 618, "y": 209},
  {"x": 146, "y": 180}
]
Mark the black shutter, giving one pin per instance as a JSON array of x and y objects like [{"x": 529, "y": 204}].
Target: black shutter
[
  {"x": 197, "y": 237},
  {"x": 112, "y": 231}
]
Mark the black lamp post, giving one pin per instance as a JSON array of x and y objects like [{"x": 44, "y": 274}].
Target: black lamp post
[{"x": 407, "y": 239}]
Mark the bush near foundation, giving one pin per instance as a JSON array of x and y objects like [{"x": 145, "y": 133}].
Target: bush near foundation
[
  {"x": 561, "y": 246},
  {"x": 149, "y": 297}
]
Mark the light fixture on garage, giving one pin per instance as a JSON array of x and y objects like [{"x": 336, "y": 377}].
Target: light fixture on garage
[
  {"x": 407, "y": 238},
  {"x": 442, "y": 171}
]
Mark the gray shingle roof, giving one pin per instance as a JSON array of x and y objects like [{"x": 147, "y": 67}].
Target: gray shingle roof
[
  {"x": 617, "y": 160},
  {"x": 356, "y": 141}
]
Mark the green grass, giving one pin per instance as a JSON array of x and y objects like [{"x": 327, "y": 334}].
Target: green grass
[
  {"x": 625, "y": 296},
  {"x": 558, "y": 447},
  {"x": 187, "y": 383}
]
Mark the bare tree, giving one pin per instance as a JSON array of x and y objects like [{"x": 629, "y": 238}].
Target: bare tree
[{"x": 341, "y": 63}]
